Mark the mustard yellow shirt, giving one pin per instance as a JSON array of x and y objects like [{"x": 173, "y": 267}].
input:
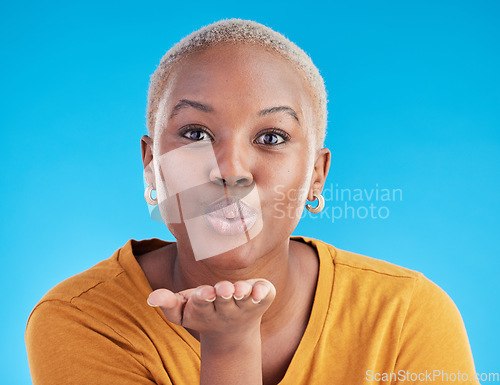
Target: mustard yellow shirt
[{"x": 372, "y": 322}]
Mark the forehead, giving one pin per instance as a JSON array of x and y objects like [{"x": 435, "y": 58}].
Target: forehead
[{"x": 246, "y": 75}]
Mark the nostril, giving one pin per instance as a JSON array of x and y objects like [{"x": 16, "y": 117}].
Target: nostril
[
  {"x": 243, "y": 181},
  {"x": 220, "y": 181}
]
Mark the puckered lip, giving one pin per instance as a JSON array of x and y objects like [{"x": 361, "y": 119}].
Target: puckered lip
[{"x": 230, "y": 207}]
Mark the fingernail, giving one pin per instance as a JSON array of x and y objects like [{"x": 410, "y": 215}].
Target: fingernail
[
  {"x": 238, "y": 298},
  {"x": 230, "y": 296},
  {"x": 255, "y": 302},
  {"x": 150, "y": 304},
  {"x": 211, "y": 299}
]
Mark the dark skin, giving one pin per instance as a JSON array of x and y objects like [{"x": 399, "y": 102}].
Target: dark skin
[{"x": 239, "y": 88}]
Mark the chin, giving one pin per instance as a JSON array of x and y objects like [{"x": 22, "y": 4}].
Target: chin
[{"x": 240, "y": 258}]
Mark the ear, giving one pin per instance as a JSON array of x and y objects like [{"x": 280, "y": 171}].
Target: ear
[
  {"x": 147, "y": 160},
  {"x": 320, "y": 172}
]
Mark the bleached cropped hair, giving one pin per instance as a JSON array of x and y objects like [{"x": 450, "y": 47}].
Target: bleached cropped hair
[{"x": 234, "y": 31}]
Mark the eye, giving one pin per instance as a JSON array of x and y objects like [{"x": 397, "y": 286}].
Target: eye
[
  {"x": 195, "y": 133},
  {"x": 273, "y": 137}
]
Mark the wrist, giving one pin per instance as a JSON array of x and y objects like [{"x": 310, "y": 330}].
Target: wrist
[
  {"x": 220, "y": 342},
  {"x": 231, "y": 359}
]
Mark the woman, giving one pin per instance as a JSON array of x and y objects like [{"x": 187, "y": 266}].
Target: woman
[{"x": 236, "y": 117}]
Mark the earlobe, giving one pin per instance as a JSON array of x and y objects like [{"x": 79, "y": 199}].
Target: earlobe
[{"x": 147, "y": 159}]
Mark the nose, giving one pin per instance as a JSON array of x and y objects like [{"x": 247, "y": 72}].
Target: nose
[{"x": 232, "y": 167}]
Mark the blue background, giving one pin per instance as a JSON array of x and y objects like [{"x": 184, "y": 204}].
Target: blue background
[{"x": 413, "y": 102}]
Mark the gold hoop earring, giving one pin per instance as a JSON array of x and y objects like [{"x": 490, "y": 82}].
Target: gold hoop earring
[
  {"x": 319, "y": 207},
  {"x": 149, "y": 198}
]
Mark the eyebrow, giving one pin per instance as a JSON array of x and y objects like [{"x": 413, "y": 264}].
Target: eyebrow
[
  {"x": 183, "y": 103},
  {"x": 286, "y": 109}
]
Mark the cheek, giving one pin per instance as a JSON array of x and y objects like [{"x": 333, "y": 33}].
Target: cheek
[
  {"x": 169, "y": 207},
  {"x": 287, "y": 202},
  {"x": 287, "y": 195},
  {"x": 181, "y": 178}
]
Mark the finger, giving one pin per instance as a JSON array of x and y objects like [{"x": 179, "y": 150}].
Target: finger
[
  {"x": 262, "y": 291},
  {"x": 163, "y": 298},
  {"x": 242, "y": 295},
  {"x": 203, "y": 295},
  {"x": 224, "y": 290},
  {"x": 170, "y": 303},
  {"x": 242, "y": 290}
]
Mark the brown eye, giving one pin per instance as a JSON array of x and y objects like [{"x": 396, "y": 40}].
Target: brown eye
[
  {"x": 273, "y": 138},
  {"x": 196, "y": 134}
]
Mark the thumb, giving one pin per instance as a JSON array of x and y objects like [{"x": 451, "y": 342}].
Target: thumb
[{"x": 172, "y": 304}]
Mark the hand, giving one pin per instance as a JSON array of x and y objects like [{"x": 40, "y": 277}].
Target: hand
[{"x": 220, "y": 310}]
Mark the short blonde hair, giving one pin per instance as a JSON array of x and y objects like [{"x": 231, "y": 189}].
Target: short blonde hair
[{"x": 239, "y": 31}]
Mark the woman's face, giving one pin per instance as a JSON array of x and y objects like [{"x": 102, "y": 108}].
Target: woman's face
[{"x": 235, "y": 153}]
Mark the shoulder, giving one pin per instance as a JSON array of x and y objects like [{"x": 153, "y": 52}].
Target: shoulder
[
  {"x": 358, "y": 277},
  {"x": 107, "y": 291},
  {"x": 411, "y": 284},
  {"x": 92, "y": 315},
  {"x": 358, "y": 263},
  {"x": 105, "y": 272},
  {"x": 375, "y": 288},
  {"x": 118, "y": 272},
  {"x": 78, "y": 300},
  {"x": 362, "y": 263},
  {"x": 407, "y": 318}
]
